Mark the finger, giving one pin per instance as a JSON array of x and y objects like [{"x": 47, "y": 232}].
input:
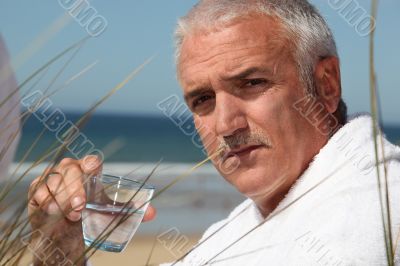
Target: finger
[
  {"x": 34, "y": 187},
  {"x": 64, "y": 163},
  {"x": 39, "y": 194},
  {"x": 44, "y": 195},
  {"x": 150, "y": 214},
  {"x": 66, "y": 192},
  {"x": 41, "y": 179},
  {"x": 91, "y": 165},
  {"x": 73, "y": 183},
  {"x": 59, "y": 197},
  {"x": 73, "y": 180}
]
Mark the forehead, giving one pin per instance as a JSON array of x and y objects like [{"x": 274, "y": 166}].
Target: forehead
[{"x": 230, "y": 47}]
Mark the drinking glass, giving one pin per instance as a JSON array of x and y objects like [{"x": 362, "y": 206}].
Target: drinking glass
[{"x": 115, "y": 207}]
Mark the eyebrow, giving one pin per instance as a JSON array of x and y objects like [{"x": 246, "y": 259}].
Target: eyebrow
[
  {"x": 245, "y": 73},
  {"x": 196, "y": 92}
]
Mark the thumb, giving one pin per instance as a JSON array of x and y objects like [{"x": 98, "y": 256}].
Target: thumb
[
  {"x": 150, "y": 214},
  {"x": 91, "y": 165}
]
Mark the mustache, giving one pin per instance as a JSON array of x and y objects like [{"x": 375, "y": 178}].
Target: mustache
[{"x": 242, "y": 139}]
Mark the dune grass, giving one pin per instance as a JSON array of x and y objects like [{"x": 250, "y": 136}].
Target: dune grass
[{"x": 384, "y": 195}]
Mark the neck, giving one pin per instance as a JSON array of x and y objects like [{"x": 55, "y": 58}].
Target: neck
[{"x": 266, "y": 206}]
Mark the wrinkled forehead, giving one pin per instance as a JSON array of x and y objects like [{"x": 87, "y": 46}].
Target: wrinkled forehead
[{"x": 229, "y": 44}]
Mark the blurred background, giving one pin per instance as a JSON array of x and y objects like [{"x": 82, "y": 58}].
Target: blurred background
[{"x": 130, "y": 127}]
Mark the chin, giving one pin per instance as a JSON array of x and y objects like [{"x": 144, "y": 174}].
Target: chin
[{"x": 255, "y": 183}]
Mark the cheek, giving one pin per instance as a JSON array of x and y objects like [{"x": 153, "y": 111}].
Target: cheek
[
  {"x": 204, "y": 127},
  {"x": 267, "y": 112},
  {"x": 275, "y": 116}
]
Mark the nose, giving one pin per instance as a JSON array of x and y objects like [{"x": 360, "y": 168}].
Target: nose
[{"x": 230, "y": 116}]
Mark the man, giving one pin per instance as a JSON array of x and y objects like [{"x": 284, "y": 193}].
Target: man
[{"x": 262, "y": 79}]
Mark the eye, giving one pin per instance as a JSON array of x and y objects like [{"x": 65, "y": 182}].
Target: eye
[
  {"x": 197, "y": 102},
  {"x": 255, "y": 82}
]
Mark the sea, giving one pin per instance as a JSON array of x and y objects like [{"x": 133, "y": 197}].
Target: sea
[
  {"x": 139, "y": 145},
  {"x": 134, "y": 138}
]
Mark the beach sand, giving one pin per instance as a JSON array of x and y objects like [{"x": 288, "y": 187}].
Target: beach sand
[
  {"x": 139, "y": 250},
  {"x": 166, "y": 249}
]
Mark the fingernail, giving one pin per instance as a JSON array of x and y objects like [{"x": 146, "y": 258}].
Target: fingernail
[
  {"x": 74, "y": 216},
  {"x": 77, "y": 203},
  {"x": 91, "y": 162}
]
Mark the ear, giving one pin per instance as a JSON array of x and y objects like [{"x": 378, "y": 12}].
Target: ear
[{"x": 328, "y": 85}]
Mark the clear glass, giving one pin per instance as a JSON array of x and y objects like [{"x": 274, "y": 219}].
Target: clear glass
[{"x": 114, "y": 209}]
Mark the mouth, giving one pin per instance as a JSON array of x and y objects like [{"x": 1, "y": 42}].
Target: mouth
[{"x": 241, "y": 151}]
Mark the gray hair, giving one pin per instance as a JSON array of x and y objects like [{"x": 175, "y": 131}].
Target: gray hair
[{"x": 304, "y": 25}]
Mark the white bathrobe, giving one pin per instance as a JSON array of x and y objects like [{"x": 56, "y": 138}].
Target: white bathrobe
[{"x": 331, "y": 215}]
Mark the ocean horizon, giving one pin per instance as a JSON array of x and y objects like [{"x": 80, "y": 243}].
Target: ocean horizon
[{"x": 133, "y": 138}]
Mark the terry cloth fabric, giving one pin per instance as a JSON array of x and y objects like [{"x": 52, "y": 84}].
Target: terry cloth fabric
[
  {"x": 331, "y": 215},
  {"x": 9, "y": 112}
]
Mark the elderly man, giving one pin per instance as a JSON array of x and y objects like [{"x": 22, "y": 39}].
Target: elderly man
[{"x": 262, "y": 79}]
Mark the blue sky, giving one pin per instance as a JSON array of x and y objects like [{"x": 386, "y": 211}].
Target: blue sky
[{"x": 138, "y": 30}]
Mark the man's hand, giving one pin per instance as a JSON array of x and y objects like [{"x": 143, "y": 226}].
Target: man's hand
[{"x": 56, "y": 201}]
